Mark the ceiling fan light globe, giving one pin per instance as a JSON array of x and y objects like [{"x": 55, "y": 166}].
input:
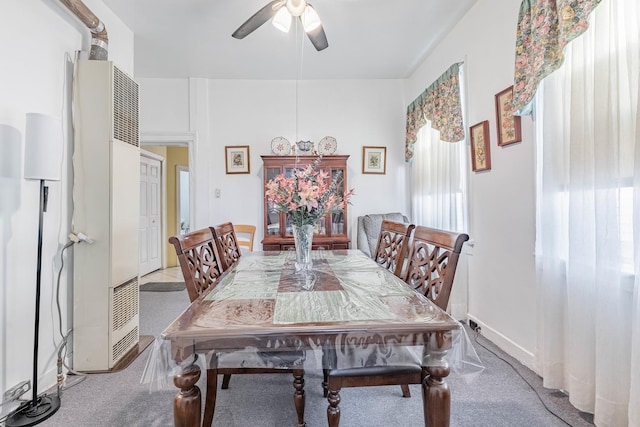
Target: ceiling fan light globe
[
  {"x": 296, "y": 7},
  {"x": 310, "y": 19},
  {"x": 282, "y": 20}
]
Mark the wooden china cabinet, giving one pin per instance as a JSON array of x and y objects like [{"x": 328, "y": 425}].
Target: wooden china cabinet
[{"x": 331, "y": 231}]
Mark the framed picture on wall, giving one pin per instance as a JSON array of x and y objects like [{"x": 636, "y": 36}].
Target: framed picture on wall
[
  {"x": 374, "y": 160},
  {"x": 237, "y": 159},
  {"x": 480, "y": 153},
  {"x": 507, "y": 125}
]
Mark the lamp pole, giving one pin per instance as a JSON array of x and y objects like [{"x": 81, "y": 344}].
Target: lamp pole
[
  {"x": 40, "y": 407},
  {"x": 36, "y": 331}
]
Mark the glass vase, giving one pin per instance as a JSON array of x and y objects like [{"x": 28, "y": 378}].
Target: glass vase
[{"x": 303, "y": 237}]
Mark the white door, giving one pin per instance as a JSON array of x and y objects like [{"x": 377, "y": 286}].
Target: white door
[{"x": 149, "y": 215}]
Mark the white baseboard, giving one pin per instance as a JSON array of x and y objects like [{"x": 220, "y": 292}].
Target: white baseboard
[{"x": 505, "y": 344}]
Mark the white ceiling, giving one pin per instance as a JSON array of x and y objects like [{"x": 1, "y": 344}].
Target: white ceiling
[{"x": 368, "y": 39}]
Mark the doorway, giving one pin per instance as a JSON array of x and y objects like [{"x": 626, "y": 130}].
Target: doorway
[
  {"x": 150, "y": 213},
  {"x": 176, "y": 152}
]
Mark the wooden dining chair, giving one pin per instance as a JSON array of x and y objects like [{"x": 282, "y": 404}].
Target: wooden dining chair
[
  {"x": 227, "y": 244},
  {"x": 391, "y": 253},
  {"x": 431, "y": 267},
  {"x": 199, "y": 260},
  {"x": 245, "y": 233},
  {"x": 202, "y": 267},
  {"x": 393, "y": 243}
]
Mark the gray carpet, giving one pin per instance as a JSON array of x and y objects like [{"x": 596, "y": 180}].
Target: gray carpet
[
  {"x": 498, "y": 398},
  {"x": 162, "y": 287}
]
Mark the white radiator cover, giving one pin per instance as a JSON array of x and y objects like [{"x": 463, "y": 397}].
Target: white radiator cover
[{"x": 106, "y": 200}]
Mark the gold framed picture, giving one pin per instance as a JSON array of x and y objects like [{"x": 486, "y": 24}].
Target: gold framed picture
[
  {"x": 374, "y": 160},
  {"x": 507, "y": 125},
  {"x": 237, "y": 159},
  {"x": 480, "y": 152}
]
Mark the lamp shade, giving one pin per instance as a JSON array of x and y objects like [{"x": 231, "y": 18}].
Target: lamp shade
[
  {"x": 310, "y": 19},
  {"x": 43, "y": 147},
  {"x": 282, "y": 20}
]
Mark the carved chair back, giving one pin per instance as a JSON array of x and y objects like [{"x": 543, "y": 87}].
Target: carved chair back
[
  {"x": 393, "y": 244},
  {"x": 227, "y": 244},
  {"x": 433, "y": 258},
  {"x": 199, "y": 260}
]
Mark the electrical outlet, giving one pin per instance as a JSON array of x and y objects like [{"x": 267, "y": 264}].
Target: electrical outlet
[
  {"x": 473, "y": 325},
  {"x": 16, "y": 391}
]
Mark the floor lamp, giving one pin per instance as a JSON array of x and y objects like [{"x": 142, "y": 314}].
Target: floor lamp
[{"x": 42, "y": 162}]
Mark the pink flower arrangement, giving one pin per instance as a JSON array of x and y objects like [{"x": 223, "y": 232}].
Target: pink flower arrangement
[{"x": 307, "y": 195}]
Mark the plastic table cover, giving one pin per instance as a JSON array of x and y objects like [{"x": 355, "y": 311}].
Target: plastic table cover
[{"x": 346, "y": 312}]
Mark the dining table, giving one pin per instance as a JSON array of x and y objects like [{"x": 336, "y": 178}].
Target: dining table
[{"x": 345, "y": 312}]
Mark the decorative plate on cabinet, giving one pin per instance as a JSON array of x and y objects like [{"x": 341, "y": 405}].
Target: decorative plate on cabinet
[
  {"x": 327, "y": 146},
  {"x": 280, "y": 146}
]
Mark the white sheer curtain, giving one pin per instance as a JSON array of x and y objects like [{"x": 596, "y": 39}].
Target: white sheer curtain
[
  {"x": 438, "y": 182},
  {"x": 588, "y": 223}
]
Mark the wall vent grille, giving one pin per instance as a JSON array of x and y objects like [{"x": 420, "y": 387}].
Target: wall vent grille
[
  {"x": 121, "y": 348},
  {"x": 125, "y": 303},
  {"x": 125, "y": 108}
]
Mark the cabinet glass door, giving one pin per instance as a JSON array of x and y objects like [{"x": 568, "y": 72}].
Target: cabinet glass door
[
  {"x": 336, "y": 217},
  {"x": 273, "y": 216},
  {"x": 288, "y": 231}
]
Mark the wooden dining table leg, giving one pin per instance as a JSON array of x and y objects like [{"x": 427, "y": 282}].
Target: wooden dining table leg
[
  {"x": 187, "y": 403},
  {"x": 298, "y": 395},
  {"x": 333, "y": 410},
  {"x": 329, "y": 361},
  {"x": 436, "y": 396}
]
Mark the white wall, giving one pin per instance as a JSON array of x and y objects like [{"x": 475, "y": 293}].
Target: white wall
[
  {"x": 253, "y": 112},
  {"x": 164, "y": 105},
  {"x": 38, "y": 41},
  {"x": 36, "y": 37},
  {"x": 501, "y": 293}
]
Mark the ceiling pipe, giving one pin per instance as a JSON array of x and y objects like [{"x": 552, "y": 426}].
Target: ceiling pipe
[{"x": 99, "y": 38}]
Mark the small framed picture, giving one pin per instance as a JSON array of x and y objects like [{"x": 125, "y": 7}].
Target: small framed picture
[
  {"x": 238, "y": 160},
  {"x": 480, "y": 153},
  {"x": 374, "y": 160},
  {"x": 507, "y": 125}
]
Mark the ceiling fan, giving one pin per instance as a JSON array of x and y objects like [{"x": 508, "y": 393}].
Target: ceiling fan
[{"x": 282, "y": 12}]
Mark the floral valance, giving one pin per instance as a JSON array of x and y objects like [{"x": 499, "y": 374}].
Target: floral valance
[
  {"x": 544, "y": 29},
  {"x": 440, "y": 104}
]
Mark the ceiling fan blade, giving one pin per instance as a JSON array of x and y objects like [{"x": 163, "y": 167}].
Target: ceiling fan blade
[
  {"x": 258, "y": 18},
  {"x": 318, "y": 38}
]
